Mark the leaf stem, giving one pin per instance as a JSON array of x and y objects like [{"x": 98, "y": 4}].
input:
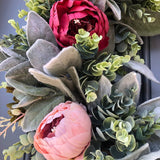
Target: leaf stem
[{"x": 12, "y": 123}]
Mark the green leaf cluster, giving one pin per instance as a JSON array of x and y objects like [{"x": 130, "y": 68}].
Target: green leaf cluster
[
  {"x": 42, "y": 7},
  {"x": 106, "y": 65},
  {"x": 136, "y": 10},
  {"x": 3, "y": 85},
  {"x": 117, "y": 125},
  {"x": 119, "y": 130},
  {"x": 117, "y": 105},
  {"x": 17, "y": 150},
  {"x": 24, "y": 146},
  {"x": 145, "y": 126},
  {"x": 15, "y": 25},
  {"x": 17, "y": 42},
  {"x": 153, "y": 5},
  {"x": 87, "y": 45},
  {"x": 90, "y": 90},
  {"x": 92, "y": 154},
  {"x": 126, "y": 43}
]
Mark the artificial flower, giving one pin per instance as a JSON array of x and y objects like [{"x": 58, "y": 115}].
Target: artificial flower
[
  {"x": 64, "y": 133},
  {"x": 67, "y": 16}
]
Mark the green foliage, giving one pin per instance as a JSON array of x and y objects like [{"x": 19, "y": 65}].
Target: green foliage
[
  {"x": 3, "y": 85},
  {"x": 117, "y": 125},
  {"x": 153, "y": 5},
  {"x": 92, "y": 153},
  {"x": 87, "y": 45},
  {"x": 106, "y": 65},
  {"x": 16, "y": 41},
  {"x": 119, "y": 130},
  {"x": 145, "y": 126},
  {"x": 19, "y": 41},
  {"x": 117, "y": 104},
  {"x": 24, "y": 146},
  {"x": 126, "y": 43},
  {"x": 17, "y": 150},
  {"x": 42, "y": 7},
  {"x": 15, "y": 25},
  {"x": 90, "y": 88},
  {"x": 135, "y": 11}
]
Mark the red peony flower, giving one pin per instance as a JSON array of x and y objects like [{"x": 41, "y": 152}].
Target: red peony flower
[
  {"x": 64, "y": 133},
  {"x": 67, "y": 16}
]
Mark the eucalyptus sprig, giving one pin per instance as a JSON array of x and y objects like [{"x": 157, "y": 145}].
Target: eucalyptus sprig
[
  {"x": 42, "y": 7},
  {"x": 18, "y": 41},
  {"x": 92, "y": 153},
  {"x": 24, "y": 146},
  {"x": 126, "y": 43},
  {"x": 153, "y": 5},
  {"x": 136, "y": 10},
  {"x": 87, "y": 45}
]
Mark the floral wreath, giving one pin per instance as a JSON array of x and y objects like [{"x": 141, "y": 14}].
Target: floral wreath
[{"x": 75, "y": 74}]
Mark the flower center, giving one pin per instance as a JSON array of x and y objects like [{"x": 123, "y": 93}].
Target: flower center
[
  {"x": 49, "y": 129},
  {"x": 86, "y": 23}
]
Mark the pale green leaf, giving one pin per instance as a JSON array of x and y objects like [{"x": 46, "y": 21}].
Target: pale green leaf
[
  {"x": 66, "y": 58},
  {"x": 137, "y": 153},
  {"x": 143, "y": 69},
  {"x": 38, "y": 28},
  {"x": 144, "y": 29},
  {"x": 26, "y": 101},
  {"x": 41, "y": 52},
  {"x": 19, "y": 78},
  {"x": 129, "y": 81},
  {"x": 104, "y": 87},
  {"x": 75, "y": 78},
  {"x": 53, "y": 81},
  {"x": 37, "y": 111},
  {"x": 115, "y": 9},
  {"x": 10, "y": 62}
]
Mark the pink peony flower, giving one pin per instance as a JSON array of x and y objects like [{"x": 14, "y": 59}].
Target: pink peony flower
[
  {"x": 64, "y": 133},
  {"x": 67, "y": 16}
]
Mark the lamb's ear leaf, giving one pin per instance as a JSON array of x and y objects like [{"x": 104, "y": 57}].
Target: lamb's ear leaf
[
  {"x": 66, "y": 58},
  {"x": 39, "y": 156},
  {"x": 18, "y": 95},
  {"x": 18, "y": 77},
  {"x": 154, "y": 143},
  {"x": 104, "y": 87},
  {"x": 26, "y": 101},
  {"x": 137, "y": 153},
  {"x": 41, "y": 52},
  {"x": 9, "y": 52},
  {"x": 101, "y": 4},
  {"x": 75, "y": 79},
  {"x": 38, "y": 110},
  {"x": 129, "y": 81},
  {"x": 111, "y": 34},
  {"x": 149, "y": 105},
  {"x": 52, "y": 81},
  {"x": 115, "y": 9},
  {"x": 144, "y": 29},
  {"x": 141, "y": 68},
  {"x": 152, "y": 155},
  {"x": 9, "y": 63},
  {"x": 38, "y": 28}
]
